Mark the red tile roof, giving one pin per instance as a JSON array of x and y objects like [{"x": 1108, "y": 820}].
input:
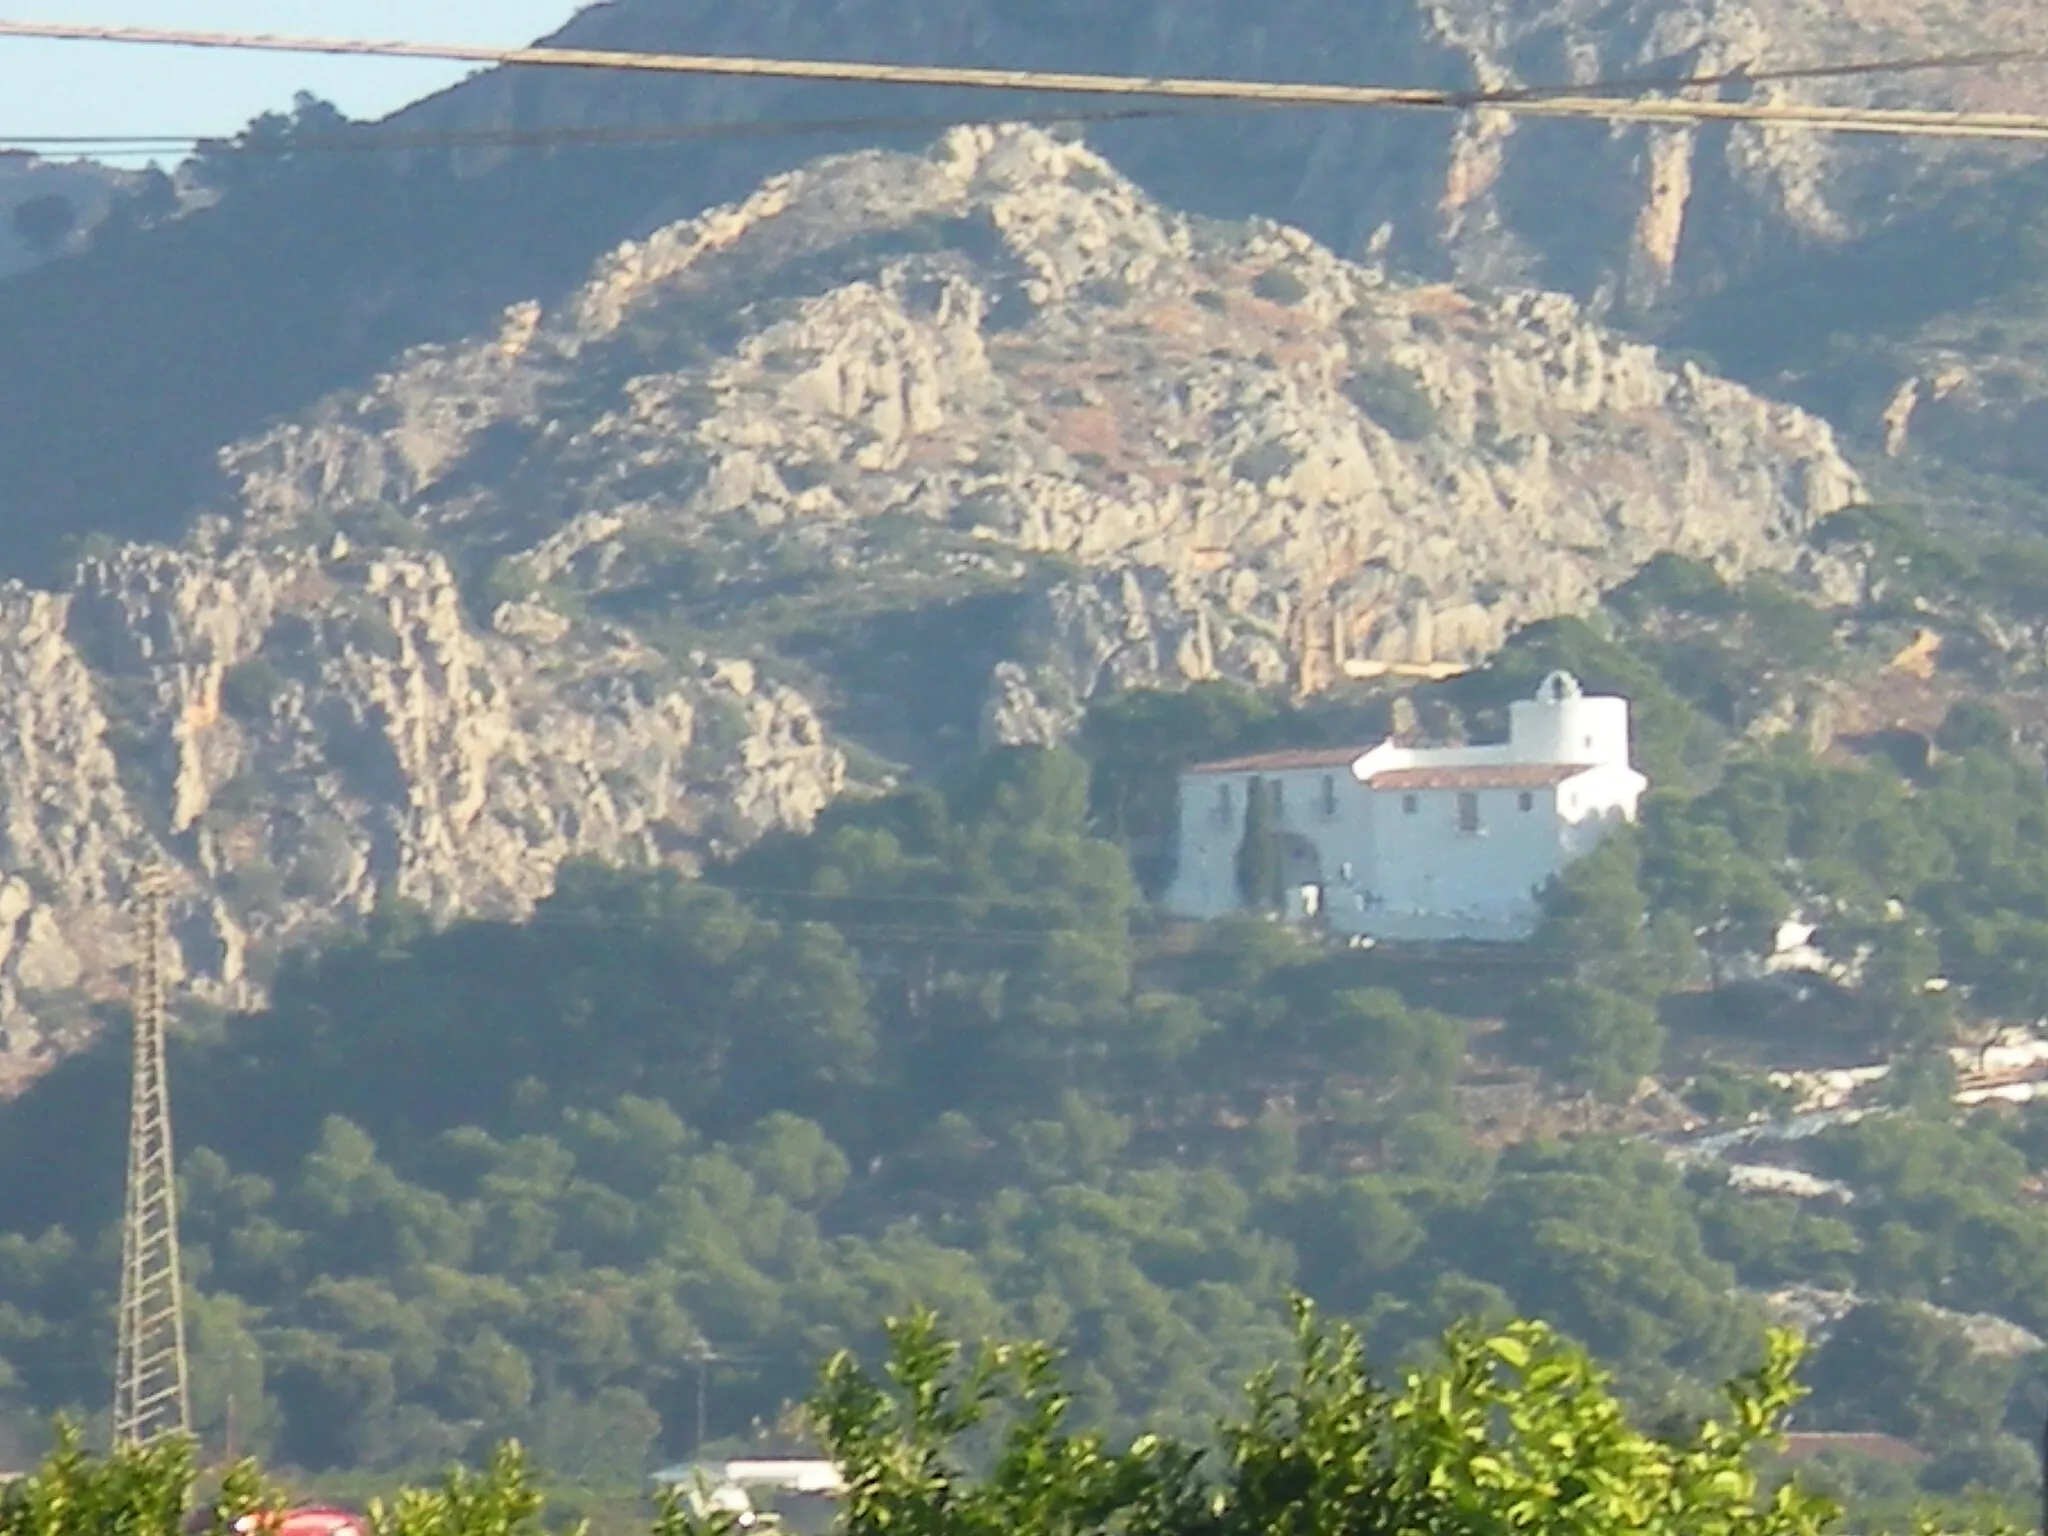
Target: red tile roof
[
  {"x": 1485, "y": 776},
  {"x": 1278, "y": 762}
]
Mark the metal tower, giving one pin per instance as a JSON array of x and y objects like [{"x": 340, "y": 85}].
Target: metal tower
[{"x": 150, "y": 1395}]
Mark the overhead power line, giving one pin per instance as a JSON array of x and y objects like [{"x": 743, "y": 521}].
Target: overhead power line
[
  {"x": 374, "y": 139},
  {"x": 1567, "y": 102}
]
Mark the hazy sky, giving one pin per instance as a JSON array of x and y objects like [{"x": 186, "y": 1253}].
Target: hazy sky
[{"x": 104, "y": 88}]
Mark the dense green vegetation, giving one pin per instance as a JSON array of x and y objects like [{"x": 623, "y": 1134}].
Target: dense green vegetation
[
  {"x": 503, "y": 1178},
  {"x": 1510, "y": 1431},
  {"x": 513, "y": 1179}
]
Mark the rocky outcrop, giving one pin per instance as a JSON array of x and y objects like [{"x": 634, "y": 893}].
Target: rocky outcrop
[
  {"x": 301, "y": 732},
  {"x": 540, "y": 594},
  {"x": 1815, "y": 1310},
  {"x": 304, "y": 274},
  {"x": 1262, "y": 455}
]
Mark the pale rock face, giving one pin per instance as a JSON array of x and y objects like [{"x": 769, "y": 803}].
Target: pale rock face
[
  {"x": 527, "y": 598},
  {"x": 300, "y": 735}
]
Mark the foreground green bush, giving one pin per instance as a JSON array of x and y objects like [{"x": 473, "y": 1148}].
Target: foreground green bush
[
  {"x": 1511, "y": 1431},
  {"x": 133, "y": 1493}
]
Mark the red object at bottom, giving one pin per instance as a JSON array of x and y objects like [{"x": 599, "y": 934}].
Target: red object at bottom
[
  {"x": 306, "y": 1522},
  {"x": 313, "y": 1520}
]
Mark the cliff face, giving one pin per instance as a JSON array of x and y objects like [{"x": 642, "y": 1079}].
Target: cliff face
[
  {"x": 1656, "y": 218},
  {"x": 299, "y": 731},
  {"x": 603, "y": 580},
  {"x": 1649, "y": 217}
]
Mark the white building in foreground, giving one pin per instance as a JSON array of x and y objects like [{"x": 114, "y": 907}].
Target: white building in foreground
[{"x": 1420, "y": 843}]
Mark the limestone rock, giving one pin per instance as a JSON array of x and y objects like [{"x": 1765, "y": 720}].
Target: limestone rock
[
  {"x": 1007, "y": 343},
  {"x": 299, "y": 737}
]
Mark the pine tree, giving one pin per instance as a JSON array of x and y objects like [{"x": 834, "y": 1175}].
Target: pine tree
[{"x": 1259, "y": 872}]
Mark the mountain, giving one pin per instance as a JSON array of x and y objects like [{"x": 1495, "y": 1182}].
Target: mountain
[
  {"x": 900, "y": 452},
  {"x": 1580, "y": 207},
  {"x": 410, "y": 529},
  {"x": 303, "y": 273}
]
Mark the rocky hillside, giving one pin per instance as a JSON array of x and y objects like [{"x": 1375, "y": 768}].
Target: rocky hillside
[
  {"x": 301, "y": 730},
  {"x": 132, "y": 364},
  {"x": 899, "y": 443}
]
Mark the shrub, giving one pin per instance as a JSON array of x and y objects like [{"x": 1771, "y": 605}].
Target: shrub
[
  {"x": 1513, "y": 1430},
  {"x": 1721, "y": 1093},
  {"x": 1393, "y": 397},
  {"x": 249, "y": 688},
  {"x": 1279, "y": 286},
  {"x": 1586, "y": 1036},
  {"x": 1266, "y": 462},
  {"x": 1973, "y": 726}
]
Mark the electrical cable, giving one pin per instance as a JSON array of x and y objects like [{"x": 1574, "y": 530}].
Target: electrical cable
[
  {"x": 374, "y": 141},
  {"x": 1569, "y": 102},
  {"x": 374, "y": 138}
]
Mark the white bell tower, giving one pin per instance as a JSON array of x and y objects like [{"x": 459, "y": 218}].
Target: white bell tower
[{"x": 1564, "y": 724}]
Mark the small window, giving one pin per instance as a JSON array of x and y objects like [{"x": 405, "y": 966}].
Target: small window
[
  {"x": 1589, "y": 743},
  {"x": 1329, "y": 794},
  {"x": 1344, "y": 872},
  {"x": 1526, "y": 801},
  {"x": 1468, "y": 811},
  {"x": 1225, "y": 811},
  {"x": 1409, "y": 805},
  {"x": 1279, "y": 798}
]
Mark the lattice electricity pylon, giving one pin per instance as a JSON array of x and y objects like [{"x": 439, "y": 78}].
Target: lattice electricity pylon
[{"x": 150, "y": 1395}]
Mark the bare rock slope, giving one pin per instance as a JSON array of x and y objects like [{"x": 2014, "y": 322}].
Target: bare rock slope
[
  {"x": 591, "y": 584},
  {"x": 132, "y": 363},
  {"x": 301, "y": 731}
]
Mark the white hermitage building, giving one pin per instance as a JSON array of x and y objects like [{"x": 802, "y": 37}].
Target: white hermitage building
[{"x": 1420, "y": 843}]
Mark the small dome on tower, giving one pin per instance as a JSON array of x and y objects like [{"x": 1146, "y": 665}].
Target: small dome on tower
[{"x": 1557, "y": 687}]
